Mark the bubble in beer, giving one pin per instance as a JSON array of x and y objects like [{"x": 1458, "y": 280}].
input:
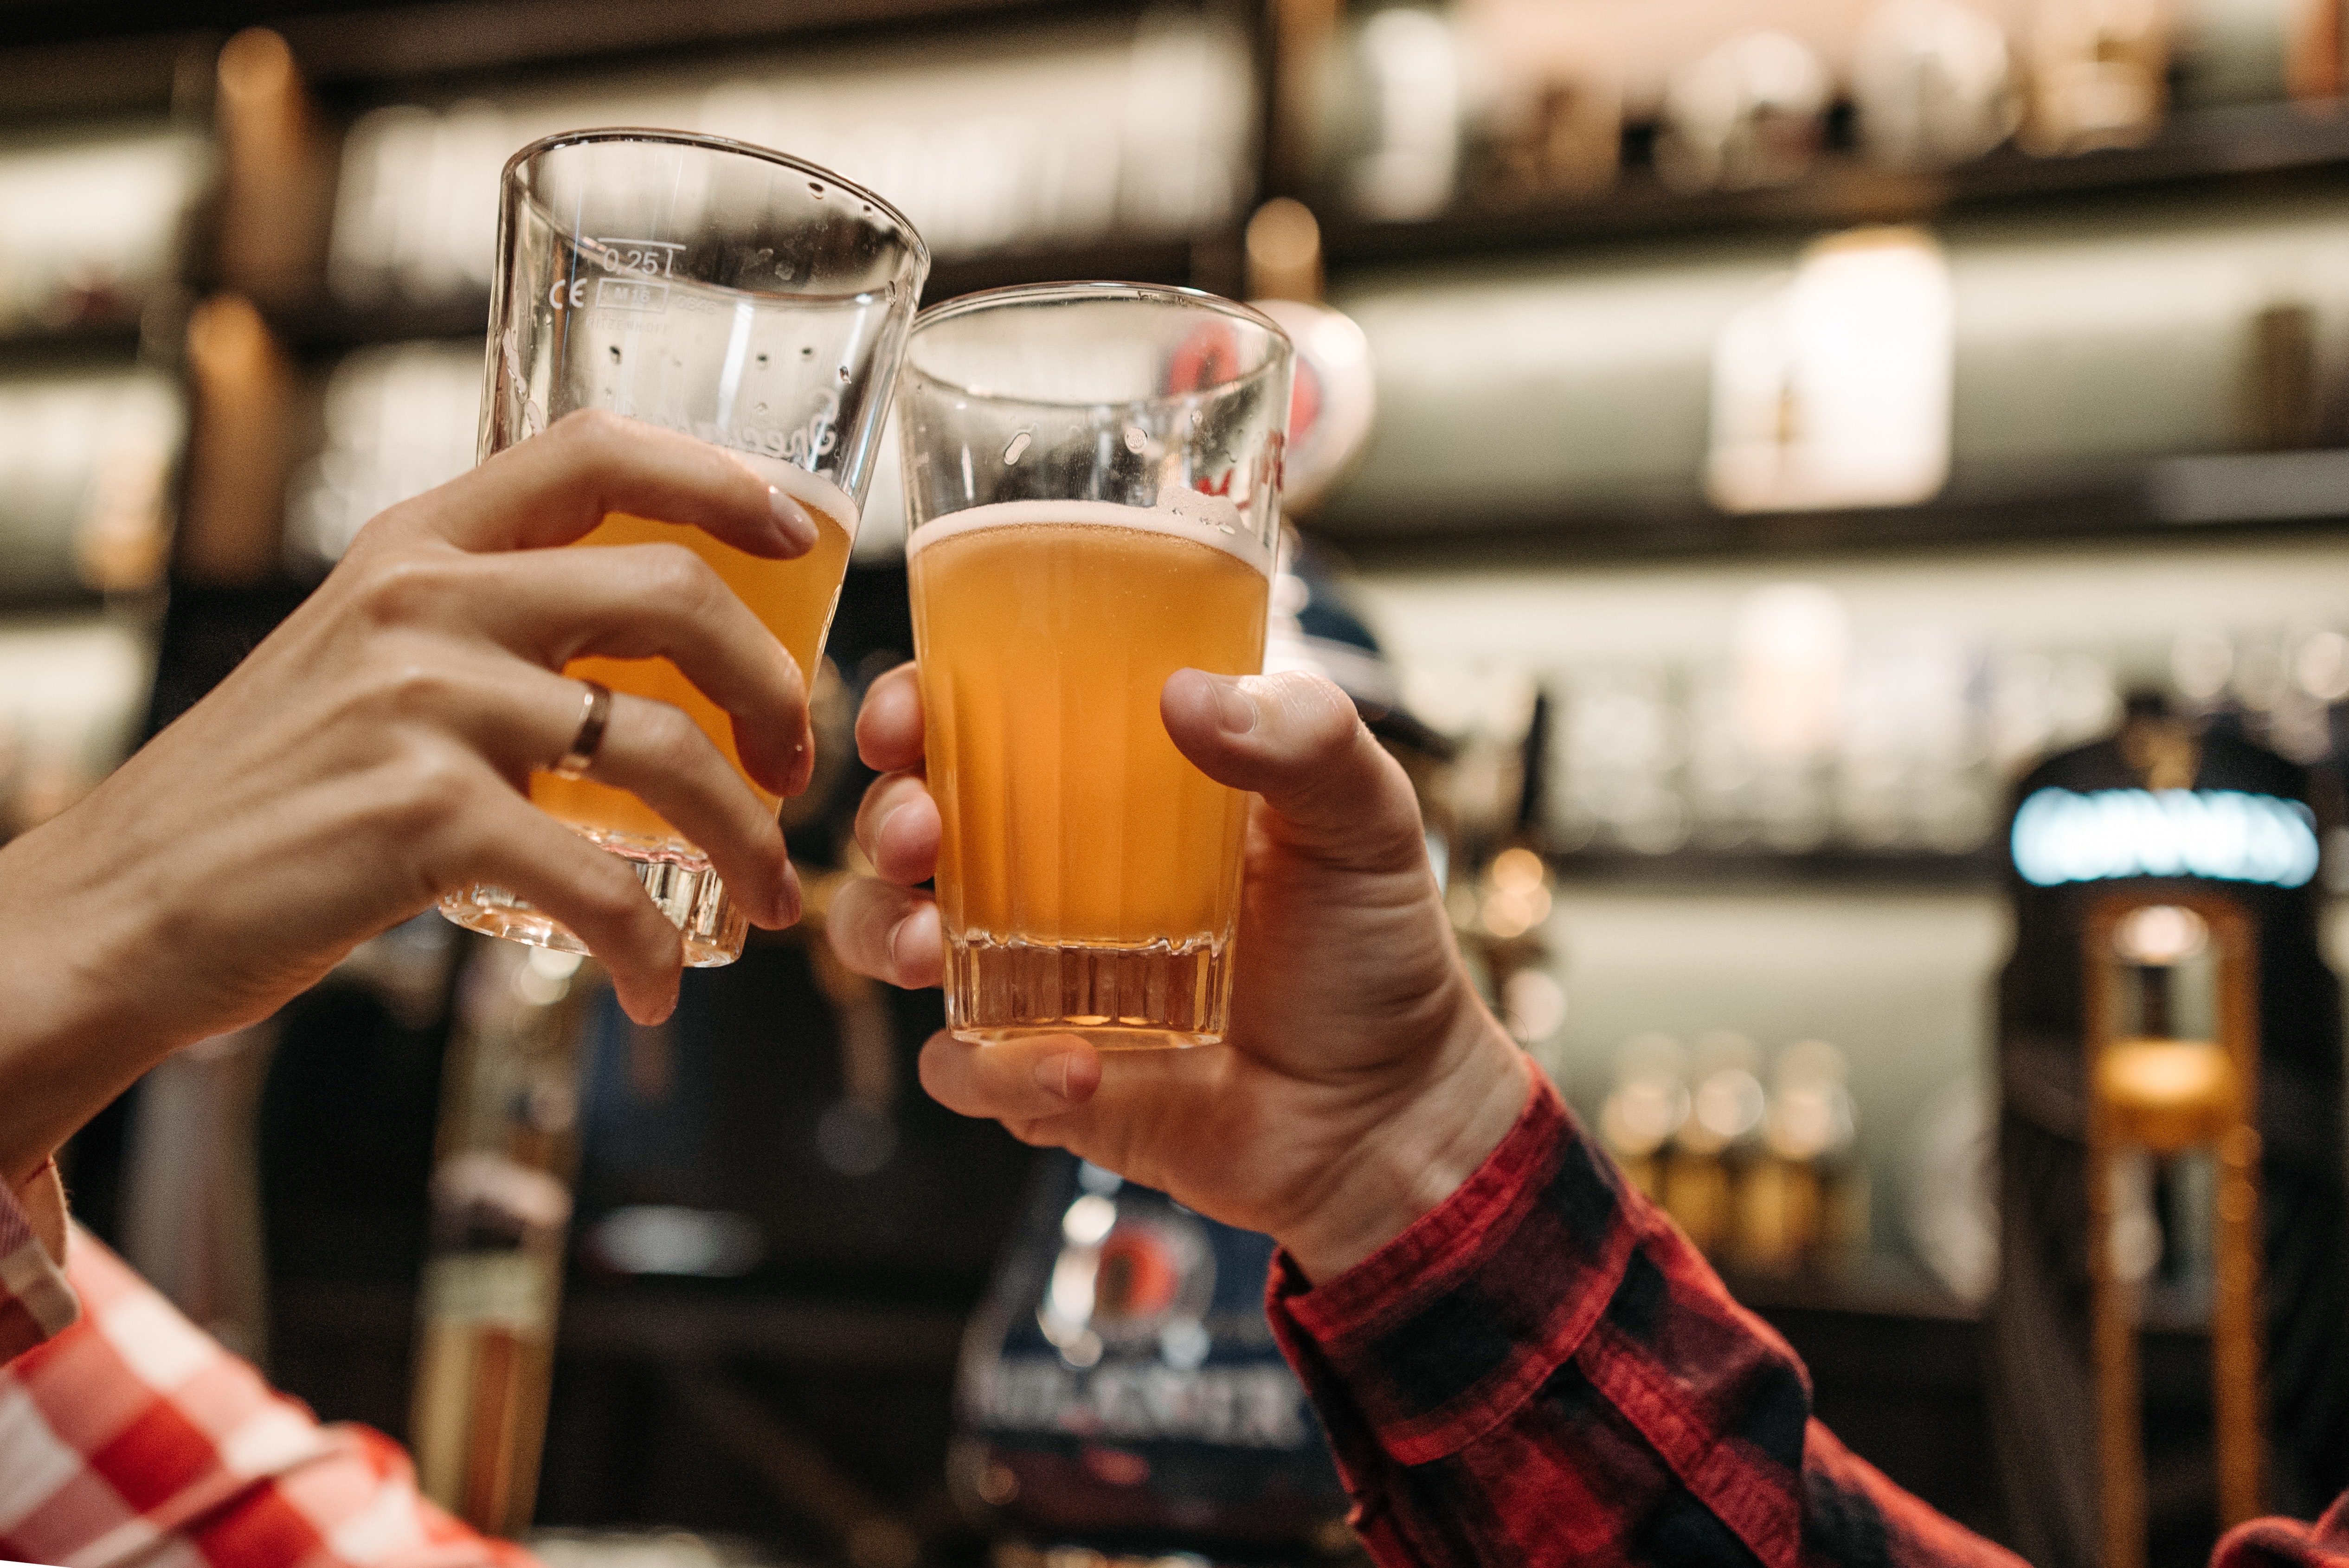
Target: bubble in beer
[
  {"x": 1135, "y": 439},
  {"x": 1012, "y": 453}
]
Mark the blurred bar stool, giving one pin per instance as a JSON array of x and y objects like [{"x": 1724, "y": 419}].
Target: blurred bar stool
[{"x": 2165, "y": 1097}]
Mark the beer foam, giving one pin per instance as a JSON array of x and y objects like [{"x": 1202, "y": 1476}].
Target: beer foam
[
  {"x": 810, "y": 490},
  {"x": 1201, "y": 524}
]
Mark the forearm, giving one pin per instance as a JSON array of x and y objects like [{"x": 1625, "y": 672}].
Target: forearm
[{"x": 74, "y": 1032}]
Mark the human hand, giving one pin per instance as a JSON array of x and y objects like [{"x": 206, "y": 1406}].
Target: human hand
[
  {"x": 371, "y": 755},
  {"x": 1361, "y": 1080}
]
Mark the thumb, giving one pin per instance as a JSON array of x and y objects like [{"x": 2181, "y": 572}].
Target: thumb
[{"x": 1295, "y": 741}]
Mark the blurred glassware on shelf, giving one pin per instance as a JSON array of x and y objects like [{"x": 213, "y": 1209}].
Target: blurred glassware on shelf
[
  {"x": 1747, "y": 114},
  {"x": 2099, "y": 73},
  {"x": 399, "y": 419},
  {"x": 86, "y": 469},
  {"x": 1949, "y": 1181},
  {"x": 1934, "y": 84},
  {"x": 1790, "y": 668},
  {"x": 1618, "y": 748},
  {"x": 1025, "y": 140},
  {"x": 1835, "y": 388},
  {"x": 71, "y": 692},
  {"x": 1913, "y": 766},
  {"x": 95, "y": 227},
  {"x": 1413, "y": 68}
]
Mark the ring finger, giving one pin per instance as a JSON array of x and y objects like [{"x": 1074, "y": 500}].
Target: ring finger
[{"x": 658, "y": 754}]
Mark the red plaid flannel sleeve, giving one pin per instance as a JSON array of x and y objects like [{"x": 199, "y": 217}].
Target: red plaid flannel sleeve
[
  {"x": 1543, "y": 1371},
  {"x": 35, "y": 1302},
  {"x": 132, "y": 1437}
]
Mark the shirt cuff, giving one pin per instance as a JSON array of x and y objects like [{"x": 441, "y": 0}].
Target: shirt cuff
[
  {"x": 1444, "y": 1332},
  {"x": 35, "y": 1302}
]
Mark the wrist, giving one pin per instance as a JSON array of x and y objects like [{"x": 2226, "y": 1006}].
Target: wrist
[
  {"x": 70, "y": 1041},
  {"x": 1442, "y": 1125}
]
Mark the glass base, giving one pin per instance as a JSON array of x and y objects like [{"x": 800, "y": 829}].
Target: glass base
[
  {"x": 1120, "y": 999},
  {"x": 681, "y": 882}
]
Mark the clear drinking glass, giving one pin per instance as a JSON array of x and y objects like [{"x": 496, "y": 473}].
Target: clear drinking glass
[
  {"x": 744, "y": 297},
  {"x": 1092, "y": 480}
]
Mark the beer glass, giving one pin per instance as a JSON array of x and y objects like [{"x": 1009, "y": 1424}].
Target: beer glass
[
  {"x": 746, "y": 298},
  {"x": 1092, "y": 479}
]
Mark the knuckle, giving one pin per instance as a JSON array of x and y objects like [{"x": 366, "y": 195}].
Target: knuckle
[
  {"x": 672, "y": 743},
  {"x": 591, "y": 428},
  {"x": 433, "y": 786},
  {"x": 404, "y": 587},
  {"x": 676, "y": 575}
]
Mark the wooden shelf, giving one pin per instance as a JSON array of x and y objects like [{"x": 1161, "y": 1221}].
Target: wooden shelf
[
  {"x": 1763, "y": 870},
  {"x": 2197, "y": 148},
  {"x": 2176, "y": 499},
  {"x": 319, "y": 324}
]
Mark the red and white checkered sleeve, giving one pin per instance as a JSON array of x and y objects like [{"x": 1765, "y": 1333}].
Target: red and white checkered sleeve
[
  {"x": 135, "y": 1436},
  {"x": 35, "y": 1301}
]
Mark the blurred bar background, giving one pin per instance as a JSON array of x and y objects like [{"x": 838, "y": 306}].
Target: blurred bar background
[{"x": 1794, "y": 420}]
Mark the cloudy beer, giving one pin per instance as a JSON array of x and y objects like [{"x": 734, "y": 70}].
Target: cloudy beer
[
  {"x": 1092, "y": 490},
  {"x": 745, "y": 297},
  {"x": 793, "y": 599},
  {"x": 1087, "y": 873}
]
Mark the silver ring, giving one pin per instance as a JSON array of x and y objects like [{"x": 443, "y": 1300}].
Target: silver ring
[{"x": 593, "y": 719}]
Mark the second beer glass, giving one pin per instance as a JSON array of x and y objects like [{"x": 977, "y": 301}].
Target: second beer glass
[
  {"x": 744, "y": 297},
  {"x": 1092, "y": 478}
]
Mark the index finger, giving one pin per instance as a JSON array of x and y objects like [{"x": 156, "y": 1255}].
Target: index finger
[
  {"x": 889, "y": 724},
  {"x": 558, "y": 485}
]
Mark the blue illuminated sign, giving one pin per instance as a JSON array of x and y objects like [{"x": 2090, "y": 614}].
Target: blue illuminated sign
[{"x": 2224, "y": 835}]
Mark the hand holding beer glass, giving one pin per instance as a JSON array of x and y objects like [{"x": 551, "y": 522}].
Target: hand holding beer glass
[
  {"x": 1093, "y": 476},
  {"x": 752, "y": 301}
]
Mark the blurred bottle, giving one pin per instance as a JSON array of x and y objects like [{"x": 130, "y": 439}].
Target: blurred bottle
[
  {"x": 501, "y": 1210},
  {"x": 1934, "y": 84},
  {"x": 1712, "y": 1152},
  {"x": 1645, "y": 1107},
  {"x": 1748, "y": 114},
  {"x": 2099, "y": 75},
  {"x": 1803, "y": 1200}
]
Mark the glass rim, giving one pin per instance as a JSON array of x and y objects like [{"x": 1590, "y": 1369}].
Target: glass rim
[
  {"x": 1091, "y": 290},
  {"x": 918, "y": 249}
]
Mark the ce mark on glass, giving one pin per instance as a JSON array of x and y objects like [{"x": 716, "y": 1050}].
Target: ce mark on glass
[{"x": 635, "y": 262}]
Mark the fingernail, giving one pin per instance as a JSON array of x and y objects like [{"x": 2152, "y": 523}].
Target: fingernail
[
  {"x": 792, "y": 902},
  {"x": 791, "y": 521},
  {"x": 1052, "y": 1075},
  {"x": 1234, "y": 707}
]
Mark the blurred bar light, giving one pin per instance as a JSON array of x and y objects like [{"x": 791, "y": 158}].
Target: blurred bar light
[
  {"x": 1414, "y": 67},
  {"x": 94, "y": 227},
  {"x": 1834, "y": 390},
  {"x": 1057, "y": 143},
  {"x": 70, "y": 696},
  {"x": 663, "y": 1239},
  {"x": 85, "y": 477},
  {"x": 399, "y": 419},
  {"x": 2223, "y": 835}
]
